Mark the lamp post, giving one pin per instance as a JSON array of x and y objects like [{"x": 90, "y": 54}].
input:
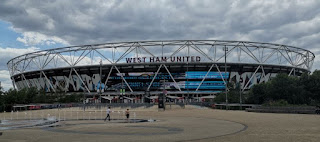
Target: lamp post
[
  {"x": 0, "y": 88},
  {"x": 240, "y": 94},
  {"x": 225, "y": 73},
  {"x": 100, "y": 85},
  {"x": 122, "y": 92}
]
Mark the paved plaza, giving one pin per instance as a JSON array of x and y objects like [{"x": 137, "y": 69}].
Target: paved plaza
[{"x": 189, "y": 124}]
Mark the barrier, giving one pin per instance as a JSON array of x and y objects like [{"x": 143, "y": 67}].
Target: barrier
[{"x": 292, "y": 109}]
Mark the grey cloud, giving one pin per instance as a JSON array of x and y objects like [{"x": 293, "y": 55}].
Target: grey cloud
[
  {"x": 8, "y": 53},
  {"x": 85, "y": 22}
]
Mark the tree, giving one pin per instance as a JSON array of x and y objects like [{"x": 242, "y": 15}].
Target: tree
[
  {"x": 284, "y": 87},
  {"x": 233, "y": 94},
  {"x": 311, "y": 84},
  {"x": 1, "y": 89},
  {"x": 10, "y": 98},
  {"x": 258, "y": 94},
  {"x": 1, "y": 99}
]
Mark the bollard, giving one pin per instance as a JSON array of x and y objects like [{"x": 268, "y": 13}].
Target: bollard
[
  {"x": 59, "y": 116},
  {"x": 111, "y": 114},
  {"x": 82, "y": 115},
  {"x": 123, "y": 114},
  {"x": 101, "y": 113},
  {"x": 119, "y": 114},
  {"x": 64, "y": 115}
]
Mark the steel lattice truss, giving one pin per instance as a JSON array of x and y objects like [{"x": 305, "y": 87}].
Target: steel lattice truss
[{"x": 114, "y": 54}]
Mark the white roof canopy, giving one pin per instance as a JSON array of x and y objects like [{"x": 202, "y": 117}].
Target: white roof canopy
[
  {"x": 208, "y": 97},
  {"x": 107, "y": 98},
  {"x": 128, "y": 98},
  {"x": 173, "y": 97}
]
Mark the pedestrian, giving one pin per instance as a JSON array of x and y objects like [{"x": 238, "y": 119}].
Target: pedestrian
[
  {"x": 108, "y": 114},
  {"x": 127, "y": 114}
]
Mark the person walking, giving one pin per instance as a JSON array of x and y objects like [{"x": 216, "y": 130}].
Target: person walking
[
  {"x": 127, "y": 114},
  {"x": 108, "y": 114}
]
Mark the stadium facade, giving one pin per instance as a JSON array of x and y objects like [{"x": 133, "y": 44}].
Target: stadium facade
[{"x": 179, "y": 68}]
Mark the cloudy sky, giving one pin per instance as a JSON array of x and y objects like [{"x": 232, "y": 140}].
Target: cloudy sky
[{"x": 30, "y": 25}]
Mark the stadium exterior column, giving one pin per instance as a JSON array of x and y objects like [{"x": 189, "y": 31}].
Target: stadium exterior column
[
  {"x": 225, "y": 72},
  {"x": 23, "y": 77},
  {"x": 123, "y": 79},
  {"x": 13, "y": 83},
  {"x": 251, "y": 77},
  {"x": 100, "y": 84},
  {"x": 81, "y": 80},
  {"x": 67, "y": 84},
  {"x": 205, "y": 77},
  {"x": 48, "y": 81}
]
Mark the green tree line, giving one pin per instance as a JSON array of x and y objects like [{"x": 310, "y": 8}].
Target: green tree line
[
  {"x": 291, "y": 90},
  {"x": 31, "y": 95}
]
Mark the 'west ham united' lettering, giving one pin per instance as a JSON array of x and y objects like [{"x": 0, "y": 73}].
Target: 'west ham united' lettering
[{"x": 175, "y": 59}]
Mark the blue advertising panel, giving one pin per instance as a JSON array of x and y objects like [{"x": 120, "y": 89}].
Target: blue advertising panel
[
  {"x": 141, "y": 80},
  {"x": 202, "y": 74},
  {"x": 205, "y": 85}
]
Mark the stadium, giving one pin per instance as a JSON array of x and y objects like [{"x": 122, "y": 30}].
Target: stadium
[{"x": 193, "y": 69}]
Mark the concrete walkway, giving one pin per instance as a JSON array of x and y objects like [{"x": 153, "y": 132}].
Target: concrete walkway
[{"x": 190, "y": 124}]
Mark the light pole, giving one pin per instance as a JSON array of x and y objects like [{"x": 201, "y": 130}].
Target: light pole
[
  {"x": 240, "y": 95},
  {"x": 122, "y": 92},
  {"x": 225, "y": 73},
  {"x": 188, "y": 94},
  {"x": 100, "y": 85}
]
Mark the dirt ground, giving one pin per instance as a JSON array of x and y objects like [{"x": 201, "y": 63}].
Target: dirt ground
[{"x": 176, "y": 124}]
